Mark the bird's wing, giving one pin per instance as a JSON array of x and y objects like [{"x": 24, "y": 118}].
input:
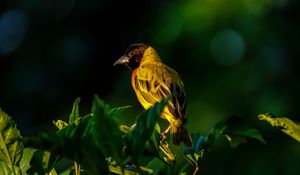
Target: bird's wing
[{"x": 156, "y": 82}]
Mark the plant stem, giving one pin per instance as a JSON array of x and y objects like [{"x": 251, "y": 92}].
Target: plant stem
[
  {"x": 196, "y": 170},
  {"x": 77, "y": 168}
]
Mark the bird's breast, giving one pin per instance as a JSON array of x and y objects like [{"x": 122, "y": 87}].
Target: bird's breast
[{"x": 140, "y": 97}]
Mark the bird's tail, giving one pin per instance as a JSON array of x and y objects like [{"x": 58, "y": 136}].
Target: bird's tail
[{"x": 182, "y": 135}]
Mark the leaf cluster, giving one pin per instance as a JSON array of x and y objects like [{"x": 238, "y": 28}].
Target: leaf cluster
[{"x": 97, "y": 143}]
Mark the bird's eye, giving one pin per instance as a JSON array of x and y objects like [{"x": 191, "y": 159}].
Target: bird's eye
[{"x": 131, "y": 53}]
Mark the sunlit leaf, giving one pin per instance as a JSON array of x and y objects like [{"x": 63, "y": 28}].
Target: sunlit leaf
[
  {"x": 6, "y": 169},
  {"x": 75, "y": 111},
  {"x": 50, "y": 160},
  {"x": 46, "y": 157},
  {"x": 66, "y": 172},
  {"x": 36, "y": 164},
  {"x": 125, "y": 128},
  {"x": 11, "y": 147},
  {"x": 284, "y": 124},
  {"x": 129, "y": 169},
  {"x": 159, "y": 148},
  {"x": 60, "y": 124},
  {"x": 106, "y": 132},
  {"x": 53, "y": 172},
  {"x": 144, "y": 128},
  {"x": 26, "y": 158},
  {"x": 165, "y": 153}
]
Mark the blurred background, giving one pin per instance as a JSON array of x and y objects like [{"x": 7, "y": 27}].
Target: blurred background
[{"x": 235, "y": 57}]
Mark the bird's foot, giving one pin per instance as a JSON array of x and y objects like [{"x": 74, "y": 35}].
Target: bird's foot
[{"x": 163, "y": 135}]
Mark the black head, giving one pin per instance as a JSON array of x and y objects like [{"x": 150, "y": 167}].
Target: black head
[{"x": 133, "y": 55}]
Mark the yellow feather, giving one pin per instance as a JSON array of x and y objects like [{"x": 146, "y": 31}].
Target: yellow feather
[{"x": 151, "y": 81}]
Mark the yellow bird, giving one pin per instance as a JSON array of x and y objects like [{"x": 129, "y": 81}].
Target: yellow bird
[{"x": 152, "y": 81}]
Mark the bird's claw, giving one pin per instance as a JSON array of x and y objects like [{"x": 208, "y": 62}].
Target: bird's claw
[{"x": 163, "y": 135}]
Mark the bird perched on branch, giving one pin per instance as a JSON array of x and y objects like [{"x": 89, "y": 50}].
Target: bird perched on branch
[{"x": 152, "y": 81}]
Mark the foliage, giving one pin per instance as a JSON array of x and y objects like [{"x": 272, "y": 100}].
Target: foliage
[
  {"x": 11, "y": 146},
  {"x": 234, "y": 129},
  {"x": 96, "y": 144},
  {"x": 284, "y": 124}
]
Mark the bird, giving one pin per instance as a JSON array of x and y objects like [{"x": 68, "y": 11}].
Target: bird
[{"x": 153, "y": 81}]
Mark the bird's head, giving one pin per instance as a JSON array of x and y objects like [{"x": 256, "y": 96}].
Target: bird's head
[{"x": 133, "y": 55}]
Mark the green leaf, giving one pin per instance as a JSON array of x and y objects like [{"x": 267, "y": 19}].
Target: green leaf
[
  {"x": 235, "y": 140},
  {"x": 43, "y": 162},
  {"x": 10, "y": 143},
  {"x": 155, "y": 137},
  {"x": 75, "y": 111},
  {"x": 236, "y": 131},
  {"x": 106, "y": 132},
  {"x": 84, "y": 152},
  {"x": 152, "y": 145},
  {"x": 284, "y": 124},
  {"x": 26, "y": 158},
  {"x": 234, "y": 128},
  {"x": 242, "y": 135},
  {"x": 7, "y": 169},
  {"x": 50, "y": 160},
  {"x": 36, "y": 163},
  {"x": 94, "y": 159},
  {"x": 53, "y": 172},
  {"x": 144, "y": 128},
  {"x": 240, "y": 129},
  {"x": 219, "y": 128},
  {"x": 81, "y": 129},
  {"x": 66, "y": 172},
  {"x": 116, "y": 112}
]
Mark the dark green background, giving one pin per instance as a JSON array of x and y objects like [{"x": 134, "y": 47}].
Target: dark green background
[{"x": 234, "y": 56}]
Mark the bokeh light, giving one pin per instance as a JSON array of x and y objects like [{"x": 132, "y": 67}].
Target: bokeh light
[
  {"x": 13, "y": 27},
  {"x": 168, "y": 27},
  {"x": 227, "y": 47}
]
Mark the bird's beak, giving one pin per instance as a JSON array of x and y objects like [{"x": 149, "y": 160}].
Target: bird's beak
[{"x": 123, "y": 60}]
